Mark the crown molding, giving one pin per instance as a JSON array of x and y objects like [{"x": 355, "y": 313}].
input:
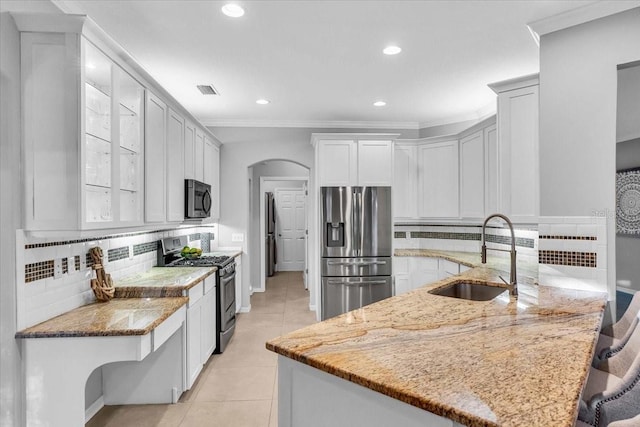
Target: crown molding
[
  {"x": 320, "y": 124},
  {"x": 515, "y": 83},
  {"x": 578, "y": 16},
  {"x": 479, "y": 114}
]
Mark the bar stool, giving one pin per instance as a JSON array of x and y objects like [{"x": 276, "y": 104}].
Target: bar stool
[
  {"x": 613, "y": 337},
  {"x": 612, "y": 392},
  {"x": 632, "y": 422}
]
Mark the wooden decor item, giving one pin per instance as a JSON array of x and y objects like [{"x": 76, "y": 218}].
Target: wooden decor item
[{"x": 102, "y": 285}]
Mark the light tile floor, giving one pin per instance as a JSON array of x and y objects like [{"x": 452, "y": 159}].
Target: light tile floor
[{"x": 239, "y": 387}]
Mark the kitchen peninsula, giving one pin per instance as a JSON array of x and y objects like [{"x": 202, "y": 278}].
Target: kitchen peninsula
[{"x": 424, "y": 359}]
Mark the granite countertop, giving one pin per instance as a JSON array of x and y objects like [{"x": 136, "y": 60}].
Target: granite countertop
[
  {"x": 233, "y": 253},
  {"x": 504, "y": 362},
  {"x": 118, "y": 317},
  {"x": 161, "y": 282}
]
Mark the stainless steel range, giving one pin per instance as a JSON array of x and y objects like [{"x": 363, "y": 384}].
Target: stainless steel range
[{"x": 169, "y": 256}]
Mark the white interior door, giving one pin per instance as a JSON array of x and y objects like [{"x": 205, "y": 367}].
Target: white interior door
[{"x": 290, "y": 229}]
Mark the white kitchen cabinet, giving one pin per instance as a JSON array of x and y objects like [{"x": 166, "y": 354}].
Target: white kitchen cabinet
[
  {"x": 405, "y": 181},
  {"x": 438, "y": 180},
  {"x": 199, "y": 156},
  {"x": 215, "y": 183},
  {"x": 447, "y": 268},
  {"x": 189, "y": 150},
  {"x": 208, "y": 318},
  {"x": 354, "y": 159},
  {"x": 338, "y": 163},
  {"x": 422, "y": 271},
  {"x": 175, "y": 167},
  {"x": 491, "y": 170},
  {"x": 472, "y": 180},
  {"x": 375, "y": 167},
  {"x": 154, "y": 160},
  {"x": 83, "y": 169},
  {"x": 517, "y": 127},
  {"x": 401, "y": 275},
  {"x": 238, "y": 283},
  {"x": 201, "y": 327}
]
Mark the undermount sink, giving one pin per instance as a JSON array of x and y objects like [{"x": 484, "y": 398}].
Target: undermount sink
[{"x": 470, "y": 291}]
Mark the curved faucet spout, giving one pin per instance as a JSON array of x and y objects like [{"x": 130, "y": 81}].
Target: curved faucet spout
[{"x": 513, "y": 282}]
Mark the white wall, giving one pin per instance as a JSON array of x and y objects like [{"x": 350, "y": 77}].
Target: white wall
[
  {"x": 10, "y": 214},
  {"x": 276, "y": 168},
  {"x": 234, "y": 199},
  {"x": 578, "y": 92}
]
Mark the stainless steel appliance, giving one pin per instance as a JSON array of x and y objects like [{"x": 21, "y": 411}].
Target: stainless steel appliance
[
  {"x": 169, "y": 256},
  {"x": 270, "y": 229},
  {"x": 356, "y": 248},
  {"x": 197, "y": 199}
]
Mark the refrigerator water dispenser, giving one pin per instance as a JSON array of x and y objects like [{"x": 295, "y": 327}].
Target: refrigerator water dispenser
[{"x": 335, "y": 234}]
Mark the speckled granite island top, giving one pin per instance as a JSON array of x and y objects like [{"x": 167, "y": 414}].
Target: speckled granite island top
[
  {"x": 120, "y": 316},
  {"x": 504, "y": 362},
  {"x": 161, "y": 282}
]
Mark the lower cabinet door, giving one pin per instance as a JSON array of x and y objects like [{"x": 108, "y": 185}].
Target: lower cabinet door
[
  {"x": 194, "y": 342},
  {"x": 208, "y": 324},
  {"x": 402, "y": 284}
]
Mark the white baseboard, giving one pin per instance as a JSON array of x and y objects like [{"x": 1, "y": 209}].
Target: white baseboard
[
  {"x": 93, "y": 409},
  {"x": 244, "y": 309},
  {"x": 626, "y": 290}
]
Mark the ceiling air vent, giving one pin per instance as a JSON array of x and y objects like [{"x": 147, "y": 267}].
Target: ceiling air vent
[{"x": 208, "y": 90}]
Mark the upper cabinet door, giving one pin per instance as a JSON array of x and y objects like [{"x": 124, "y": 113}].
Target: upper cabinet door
[
  {"x": 199, "y": 156},
  {"x": 518, "y": 147},
  {"x": 405, "y": 173},
  {"x": 472, "y": 178},
  {"x": 175, "y": 167},
  {"x": 491, "y": 170},
  {"x": 337, "y": 162},
  {"x": 189, "y": 150},
  {"x": 375, "y": 167},
  {"x": 208, "y": 161},
  {"x": 155, "y": 123},
  {"x": 438, "y": 180}
]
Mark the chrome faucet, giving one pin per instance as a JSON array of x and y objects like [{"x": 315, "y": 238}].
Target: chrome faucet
[{"x": 513, "y": 282}]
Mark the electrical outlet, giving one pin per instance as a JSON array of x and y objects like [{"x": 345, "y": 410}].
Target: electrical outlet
[
  {"x": 83, "y": 261},
  {"x": 131, "y": 251},
  {"x": 71, "y": 264},
  {"x": 237, "y": 237},
  {"x": 57, "y": 268}
]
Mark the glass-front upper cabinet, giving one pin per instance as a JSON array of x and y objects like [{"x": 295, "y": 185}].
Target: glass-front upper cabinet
[{"x": 112, "y": 154}]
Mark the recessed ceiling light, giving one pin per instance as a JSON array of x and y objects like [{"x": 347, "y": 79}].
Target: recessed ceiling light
[
  {"x": 262, "y": 101},
  {"x": 379, "y": 104},
  {"x": 232, "y": 10},
  {"x": 391, "y": 50}
]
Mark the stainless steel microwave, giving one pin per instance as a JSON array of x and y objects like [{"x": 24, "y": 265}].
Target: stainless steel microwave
[{"x": 197, "y": 199}]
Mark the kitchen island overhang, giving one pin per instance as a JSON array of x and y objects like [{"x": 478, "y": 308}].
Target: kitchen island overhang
[{"x": 505, "y": 362}]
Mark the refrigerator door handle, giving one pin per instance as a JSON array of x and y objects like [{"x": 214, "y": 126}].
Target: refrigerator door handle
[
  {"x": 346, "y": 283},
  {"x": 356, "y": 262}
]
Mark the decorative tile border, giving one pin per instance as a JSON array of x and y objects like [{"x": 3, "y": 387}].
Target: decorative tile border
[
  {"x": 575, "y": 259},
  {"x": 113, "y": 236},
  {"x": 76, "y": 260},
  {"x": 38, "y": 270},
  {"x": 492, "y": 238},
  {"x": 195, "y": 236},
  {"x": 400, "y": 234},
  {"x": 143, "y": 248},
  {"x": 118, "y": 253},
  {"x": 65, "y": 265},
  {"x": 550, "y": 237}
]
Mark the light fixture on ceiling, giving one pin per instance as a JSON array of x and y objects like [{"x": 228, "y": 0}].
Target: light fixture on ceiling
[
  {"x": 263, "y": 101},
  {"x": 379, "y": 104},
  {"x": 391, "y": 50},
  {"x": 232, "y": 10}
]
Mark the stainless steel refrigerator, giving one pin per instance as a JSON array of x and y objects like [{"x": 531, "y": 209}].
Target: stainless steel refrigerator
[
  {"x": 356, "y": 248},
  {"x": 270, "y": 230}
]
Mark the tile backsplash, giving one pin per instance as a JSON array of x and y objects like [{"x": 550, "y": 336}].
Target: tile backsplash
[
  {"x": 44, "y": 294},
  {"x": 466, "y": 238},
  {"x": 573, "y": 252}
]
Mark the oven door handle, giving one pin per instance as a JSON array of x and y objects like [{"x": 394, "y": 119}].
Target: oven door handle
[{"x": 226, "y": 279}]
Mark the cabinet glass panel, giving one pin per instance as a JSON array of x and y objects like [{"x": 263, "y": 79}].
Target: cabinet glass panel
[
  {"x": 131, "y": 97},
  {"x": 129, "y": 206},
  {"x": 98, "y": 204},
  {"x": 129, "y": 168},
  {"x": 98, "y": 161}
]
